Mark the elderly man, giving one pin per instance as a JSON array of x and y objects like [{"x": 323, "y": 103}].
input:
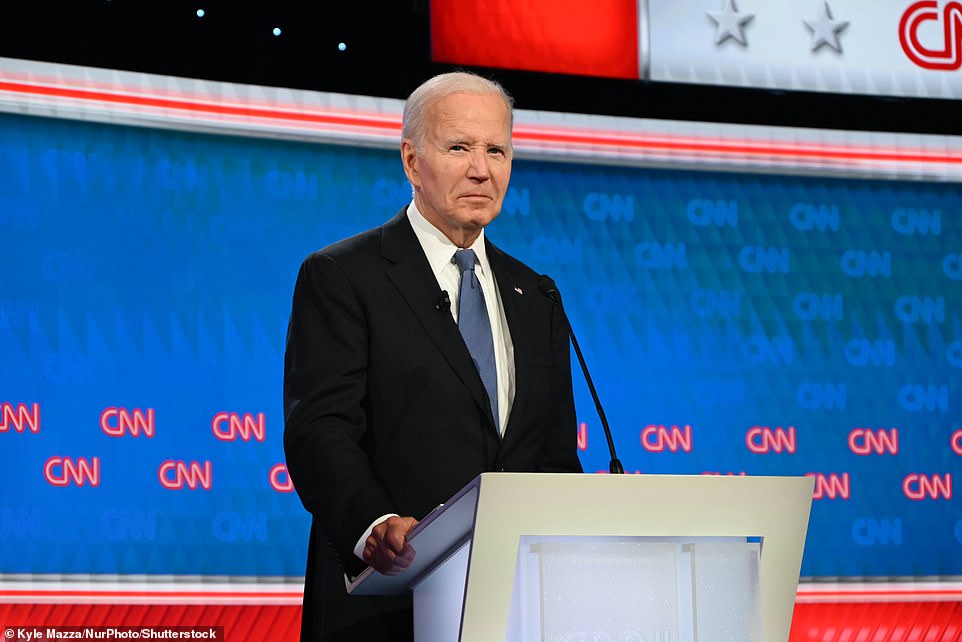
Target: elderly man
[{"x": 419, "y": 355}]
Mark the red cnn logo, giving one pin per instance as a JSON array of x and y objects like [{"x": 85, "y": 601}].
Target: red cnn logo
[
  {"x": 863, "y": 441},
  {"x": 19, "y": 417},
  {"x": 582, "y": 436},
  {"x": 175, "y": 475},
  {"x": 946, "y": 58},
  {"x": 762, "y": 439},
  {"x": 63, "y": 471},
  {"x": 919, "y": 487},
  {"x": 657, "y": 438},
  {"x": 956, "y": 441},
  {"x": 281, "y": 479},
  {"x": 117, "y": 421},
  {"x": 831, "y": 486},
  {"x": 238, "y": 426}
]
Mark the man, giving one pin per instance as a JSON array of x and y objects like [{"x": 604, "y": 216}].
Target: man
[{"x": 391, "y": 407}]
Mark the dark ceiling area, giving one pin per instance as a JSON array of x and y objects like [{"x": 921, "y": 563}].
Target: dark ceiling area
[{"x": 383, "y": 49}]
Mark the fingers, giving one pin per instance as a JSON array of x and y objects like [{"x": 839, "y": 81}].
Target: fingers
[
  {"x": 397, "y": 531},
  {"x": 402, "y": 561},
  {"x": 387, "y": 548}
]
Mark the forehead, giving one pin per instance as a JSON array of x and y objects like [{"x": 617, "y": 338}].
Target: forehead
[{"x": 483, "y": 115}]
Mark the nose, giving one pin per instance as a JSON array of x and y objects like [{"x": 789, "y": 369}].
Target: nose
[{"x": 478, "y": 169}]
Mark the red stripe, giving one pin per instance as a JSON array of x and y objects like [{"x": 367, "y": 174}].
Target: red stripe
[
  {"x": 746, "y": 149},
  {"x": 868, "y": 622},
  {"x": 802, "y": 593},
  {"x": 606, "y": 140},
  {"x": 195, "y": 106},
  {"x": 139, "y": 594},
  {"x": 883, "y": 593},
  {"x": 248, "y": 623},
  {"x": 931, "y": 622}
]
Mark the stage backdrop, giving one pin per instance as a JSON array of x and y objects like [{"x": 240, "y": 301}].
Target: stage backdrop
[{"x": 734, "y": 323}]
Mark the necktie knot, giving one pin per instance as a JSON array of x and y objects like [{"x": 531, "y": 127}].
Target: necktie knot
[{"x": 465, "y": 260}]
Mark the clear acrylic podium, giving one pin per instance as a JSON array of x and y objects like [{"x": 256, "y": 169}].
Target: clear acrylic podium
[{"x": 599, "y": 558}]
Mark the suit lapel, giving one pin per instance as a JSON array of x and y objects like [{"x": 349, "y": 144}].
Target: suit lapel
[
  {"x": 514, "y": 302},
  {"x": 412, "y": 276}
]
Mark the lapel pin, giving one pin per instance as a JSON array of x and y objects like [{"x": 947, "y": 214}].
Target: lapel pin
[{"x": 518, "y": 290}]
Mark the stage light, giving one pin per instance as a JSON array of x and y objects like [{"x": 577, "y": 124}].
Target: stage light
[
  {"x": 200, "y": 13},
  {"x": 342, "y": 46},
  {"x": 277, "y": 31}
]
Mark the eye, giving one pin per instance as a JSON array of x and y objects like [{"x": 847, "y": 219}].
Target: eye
[
  {"x": 496, "y": 150},
  {"x": 457, "y": 148}
]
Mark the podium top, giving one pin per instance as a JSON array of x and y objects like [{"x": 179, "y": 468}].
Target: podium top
[{"x": 771, "y": 508}]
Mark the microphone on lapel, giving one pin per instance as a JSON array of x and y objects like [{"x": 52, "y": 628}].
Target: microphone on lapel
[
  {"x": 443, "y": 302},
  {"x": 547, "y": 287}
]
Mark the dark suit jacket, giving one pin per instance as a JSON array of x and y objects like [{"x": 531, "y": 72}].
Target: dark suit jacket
[{"x": 385, "y": 412}]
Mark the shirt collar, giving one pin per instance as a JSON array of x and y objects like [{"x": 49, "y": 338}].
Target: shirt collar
[{"x": 437, "y": 247}]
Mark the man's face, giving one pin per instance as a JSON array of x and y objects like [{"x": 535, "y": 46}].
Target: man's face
[{"x": 461, "y": 174}]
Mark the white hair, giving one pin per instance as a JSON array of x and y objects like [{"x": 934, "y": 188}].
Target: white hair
[{"x": 441, "y": 86}]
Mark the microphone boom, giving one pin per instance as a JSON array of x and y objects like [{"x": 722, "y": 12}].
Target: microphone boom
[{"x": 547, "y": 287}]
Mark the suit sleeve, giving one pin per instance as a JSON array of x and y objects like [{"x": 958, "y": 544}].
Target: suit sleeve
[{"x": 325, "y": 381}]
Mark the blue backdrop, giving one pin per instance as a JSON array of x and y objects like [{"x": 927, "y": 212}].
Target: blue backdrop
[{"x": 734, "y": 324}]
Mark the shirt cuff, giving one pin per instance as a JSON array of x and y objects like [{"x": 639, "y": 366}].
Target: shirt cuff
[{"x": 359, "y": 546}]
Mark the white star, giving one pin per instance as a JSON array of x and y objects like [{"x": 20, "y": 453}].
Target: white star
[
  {"x": 730, "y": 24},
  {"x": 825, "y": 30}
]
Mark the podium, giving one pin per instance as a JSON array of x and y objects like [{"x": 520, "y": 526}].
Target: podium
[{"x": 597, "y": 558}]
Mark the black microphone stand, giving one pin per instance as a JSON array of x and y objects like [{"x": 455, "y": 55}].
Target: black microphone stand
[{"x": 547, "y": 287}]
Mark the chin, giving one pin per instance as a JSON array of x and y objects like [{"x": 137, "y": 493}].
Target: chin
[
  {"x": 477, "y": 217},
  {"x": 480, "y": 221}
]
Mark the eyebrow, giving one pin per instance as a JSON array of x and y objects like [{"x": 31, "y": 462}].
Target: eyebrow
[{"x": 468, "y": 142}]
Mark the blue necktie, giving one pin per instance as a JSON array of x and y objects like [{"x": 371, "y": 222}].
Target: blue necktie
[{"x": 475, "y": 326}]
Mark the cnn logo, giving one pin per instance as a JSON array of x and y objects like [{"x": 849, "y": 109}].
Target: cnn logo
[
  {"x": 65, "y": 471},
  {"x": 656, "y": 438},
  {"x": 20, "y": 417},
  {"x": 117, "y": 422},
  {"x": 176, "y": 475},
  {"x": 920, "y": 487},
  {"x": 863, "y": 441},
  {"x": 280, "y": 479},
  {"x": 231, "y": 426}
]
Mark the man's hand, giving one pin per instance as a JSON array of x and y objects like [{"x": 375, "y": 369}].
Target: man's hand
[{"x": 387, "y": 548}]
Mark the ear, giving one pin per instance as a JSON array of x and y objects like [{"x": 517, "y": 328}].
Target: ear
[{"x": 409, "y": 157}]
